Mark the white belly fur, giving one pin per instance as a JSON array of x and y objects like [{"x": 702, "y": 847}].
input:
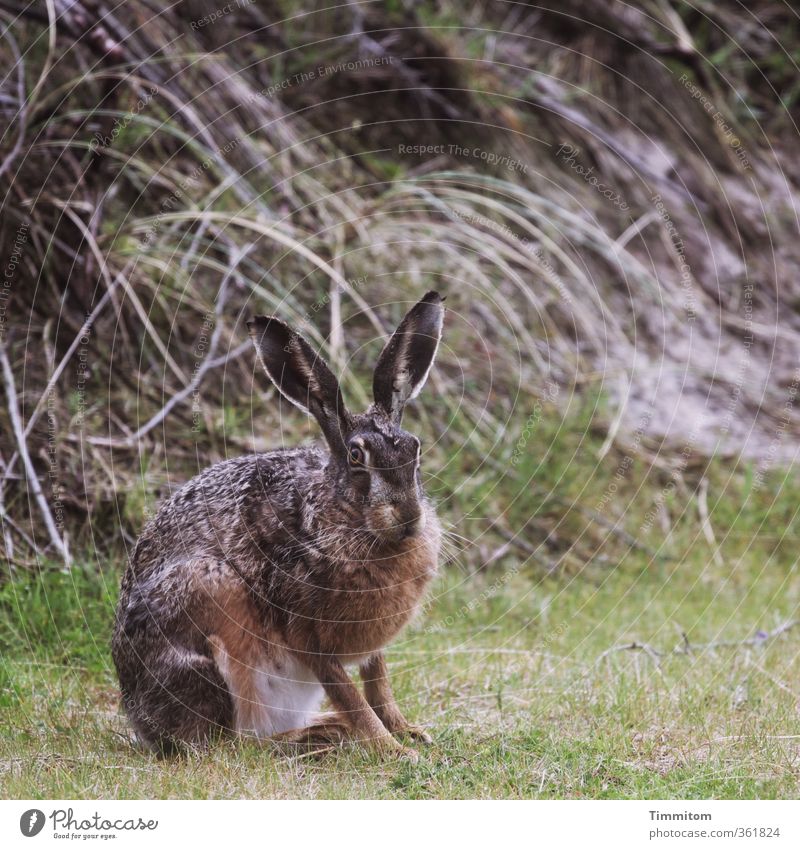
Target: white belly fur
[{"x": 274, "y": 694}]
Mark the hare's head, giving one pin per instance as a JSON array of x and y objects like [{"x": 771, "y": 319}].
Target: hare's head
[{"x": 374, "y": 465}]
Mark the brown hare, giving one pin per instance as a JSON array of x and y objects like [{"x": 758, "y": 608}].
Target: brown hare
[{"x": 260, "y": 580}]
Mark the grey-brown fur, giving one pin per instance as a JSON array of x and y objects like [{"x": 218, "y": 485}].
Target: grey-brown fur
[{"x": 296, "y": 556}]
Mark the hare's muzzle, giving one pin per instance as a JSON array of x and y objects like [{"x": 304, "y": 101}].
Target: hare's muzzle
[
  {"x": 394, "y": 523},
  {"x": 408, "y": 523}
]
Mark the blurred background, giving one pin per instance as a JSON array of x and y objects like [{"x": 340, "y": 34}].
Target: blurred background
[
  {"x": 607, "y": 199},
  {"x": 606, "y": 194}
]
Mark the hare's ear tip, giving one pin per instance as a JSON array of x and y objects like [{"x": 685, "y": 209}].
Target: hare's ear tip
[{"x": 259, "y": 322}]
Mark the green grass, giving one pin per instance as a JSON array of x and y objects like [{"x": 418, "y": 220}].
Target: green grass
[
  {"x": 505, "y": 669},
  {"x": 519, "y": 673}
]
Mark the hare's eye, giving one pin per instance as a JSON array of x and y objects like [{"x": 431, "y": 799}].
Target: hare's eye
[{"x": 356, "y": 456}]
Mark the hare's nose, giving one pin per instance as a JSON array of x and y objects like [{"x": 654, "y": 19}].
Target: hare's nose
[{"x": 411, "y": 527}]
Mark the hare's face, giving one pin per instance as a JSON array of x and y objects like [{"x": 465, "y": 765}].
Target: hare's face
[
  {"x": 383, "y": 478},
  {"x": 374, "y": 463}
]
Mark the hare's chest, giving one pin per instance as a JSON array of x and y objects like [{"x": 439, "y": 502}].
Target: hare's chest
[
  {"x": 374, "y": 604},
  {"x": 371, "y": 621}
]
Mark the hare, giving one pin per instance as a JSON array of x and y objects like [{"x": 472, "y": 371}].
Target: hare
[{"x": 260, "y": 580}]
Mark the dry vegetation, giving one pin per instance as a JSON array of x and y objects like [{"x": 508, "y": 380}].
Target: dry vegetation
[
  {"x": 608, "y": 197},
  {"x": 165, "y": 176}
]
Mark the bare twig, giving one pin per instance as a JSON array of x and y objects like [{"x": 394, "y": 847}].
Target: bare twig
[
  {"x": 22, "y": 448},
  {"x": 4, "y": 520},
  {"x": 21, "y": 97},
  {"x": 209, "y": 362},
  {"x": 756, "y": 640},
  {"x": 653, "y": 654},
  {"x": 7, "y": 520},
  {"x": 705, "y": 521},
  {"x": 336, "y": 341},
  {"x": 531, "y": 550},
  {"x": 686, "y": 648},
  {"x": 59, "y": 369},
  {"x": 86, "y": 328}
]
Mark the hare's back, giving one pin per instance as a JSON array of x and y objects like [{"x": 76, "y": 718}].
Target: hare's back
[{"x": 217, "y": 512}]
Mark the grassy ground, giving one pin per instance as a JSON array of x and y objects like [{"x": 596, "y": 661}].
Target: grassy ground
[
  {"x": 522, "y": 671},
  {"x": 518, "y": 665},
  {"x": 509, "y": 671}
]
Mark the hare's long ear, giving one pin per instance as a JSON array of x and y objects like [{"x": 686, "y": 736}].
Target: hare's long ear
[
  {"x": 405, "y": 362},
  {"x": 300, "y": 375}
]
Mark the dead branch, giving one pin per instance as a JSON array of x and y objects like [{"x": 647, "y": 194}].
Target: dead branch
[
  {"x": 687, "y": 648},
  {"x": 209, "y": 362},
  {"x": 22, "y": 448}
]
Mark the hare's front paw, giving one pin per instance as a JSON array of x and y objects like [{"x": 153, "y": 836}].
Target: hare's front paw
[
  {"x": 389, "y": 747},
  {"x": 396, "y": 723},
  {"x": 411, "y": 755},
  {"x": 405, "y": 753},
  {"x": 415, "y": 733}
]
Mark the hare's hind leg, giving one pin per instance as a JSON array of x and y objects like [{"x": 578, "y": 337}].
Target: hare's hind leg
[
  {"x": 320, "y": 736},
  {"x": 172, "y": 691},
  {"x": 180, "y": 700}
]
